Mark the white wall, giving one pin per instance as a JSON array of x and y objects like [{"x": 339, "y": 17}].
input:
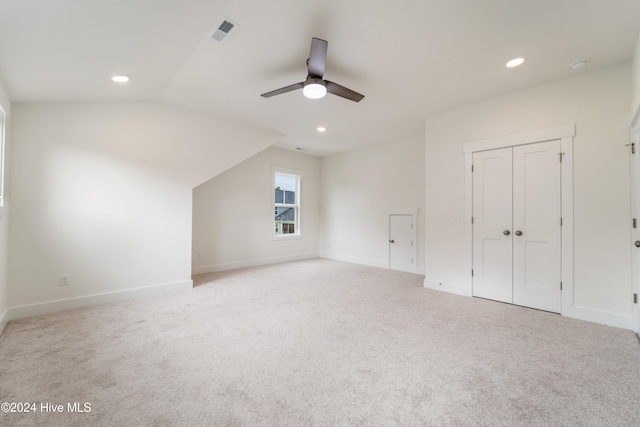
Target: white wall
[
  {"x": 103, "y": 193},
  {"x": 233, "y": 214},
  {"x": 4, "y": 217},
  {"x": 635, "y": 108},
  {"x": 598, "y": 103},
  {"x": 357, "y": 189}
]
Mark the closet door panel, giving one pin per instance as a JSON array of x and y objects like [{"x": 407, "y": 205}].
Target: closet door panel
[
  {"x": 492, "y": 204},
  {"x": 536, "y": 226}
]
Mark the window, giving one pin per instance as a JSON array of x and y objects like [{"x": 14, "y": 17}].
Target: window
[
  {"x": 2, "y": 159},
  {"x": 286, "y": 202}
]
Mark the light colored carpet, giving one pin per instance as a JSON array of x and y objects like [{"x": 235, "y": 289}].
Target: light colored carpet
[{"x": 319, "y": 342}]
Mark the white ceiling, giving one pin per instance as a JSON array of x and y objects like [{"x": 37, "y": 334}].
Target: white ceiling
[{"x": 410, "y": 58}]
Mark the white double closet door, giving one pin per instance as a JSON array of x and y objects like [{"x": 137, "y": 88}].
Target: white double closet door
[{"x": 517, "y": 225}]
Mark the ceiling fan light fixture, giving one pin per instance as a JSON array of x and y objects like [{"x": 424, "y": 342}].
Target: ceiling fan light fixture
[{"x": 314, "y": 88}]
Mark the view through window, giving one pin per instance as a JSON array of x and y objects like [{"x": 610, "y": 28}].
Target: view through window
[{"x": 286, "y": 203}]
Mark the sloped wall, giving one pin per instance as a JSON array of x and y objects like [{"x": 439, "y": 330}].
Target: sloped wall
[
  {"x": 102, "y": 192},
  {"x": 233, "y": 214}
]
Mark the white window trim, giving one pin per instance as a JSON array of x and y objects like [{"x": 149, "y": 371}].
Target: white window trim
[
  {"x": 3, "y": 127},
  {"x": 287, "y": 171}
]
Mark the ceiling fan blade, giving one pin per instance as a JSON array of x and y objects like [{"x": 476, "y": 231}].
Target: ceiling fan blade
[
  {"x": 283, "y": 90},
  {"x": 317, "y": 57},
  {"x": 342, "y": 91}
]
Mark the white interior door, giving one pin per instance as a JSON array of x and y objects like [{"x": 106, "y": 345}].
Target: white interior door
[
  {"x": 401, "y": 243},
  {"x": 537, "y": 226},
  {"x": 492, "y": 243}
]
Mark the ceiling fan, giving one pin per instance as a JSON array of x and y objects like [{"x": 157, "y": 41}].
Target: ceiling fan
[{"x": 314, "y": 86}]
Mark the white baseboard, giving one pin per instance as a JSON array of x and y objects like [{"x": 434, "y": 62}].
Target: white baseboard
[
  {"x": 3, "y": 321},
  {"x": 354, "y": 260},
  {"x": 447, "y": 287},
  {"x": 581, "y": 313},
  {"x": 22, "y": 312},
  {"x": 365, "y": 261},
  {"x": 250, "y": 263},
  {"x": 602, "y": 317}
]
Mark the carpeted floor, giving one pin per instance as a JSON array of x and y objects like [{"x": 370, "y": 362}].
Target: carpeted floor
[{"x": 323, "y": 343}]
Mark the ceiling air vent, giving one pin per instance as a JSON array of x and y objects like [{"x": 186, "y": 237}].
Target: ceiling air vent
[{"x": 223, "y": 30}]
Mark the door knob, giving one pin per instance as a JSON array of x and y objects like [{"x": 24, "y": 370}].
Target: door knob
[
  {"x": 637, "y": 243},
  {"x": 392, "y": 241},
  {"x": 506, "y": 232},
  {"x": 518, "y": 233}
]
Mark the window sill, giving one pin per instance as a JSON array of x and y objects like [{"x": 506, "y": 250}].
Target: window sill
[{"x": 286, "y": 237}]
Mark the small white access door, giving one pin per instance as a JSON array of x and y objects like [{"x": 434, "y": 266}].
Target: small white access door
[
  {"x": 401, "y": 243},
  {"x": 516, "y": 225}
]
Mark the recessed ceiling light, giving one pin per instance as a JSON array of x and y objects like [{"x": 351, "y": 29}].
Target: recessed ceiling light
[
  {"x": 515, "y": 62},
  {"x": 120, "y": 78},
  {"x": 321, "y": 128}
]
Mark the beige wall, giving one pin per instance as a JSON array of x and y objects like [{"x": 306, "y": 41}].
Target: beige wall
[
  {"x": 358, "y": 187},
  {"x": 233, "y": 214},
  {"x": 102, "y": 192},
  {"x": 598, "y": 103}
]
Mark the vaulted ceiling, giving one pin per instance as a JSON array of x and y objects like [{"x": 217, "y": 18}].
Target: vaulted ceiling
[{"x": 410, "y": 58}]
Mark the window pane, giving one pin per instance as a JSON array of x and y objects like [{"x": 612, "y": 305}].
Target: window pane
[
  {"x": 286, "y": 199},
  {"x": 286, "y": 182},
  {"x": 285, "y": 214}
]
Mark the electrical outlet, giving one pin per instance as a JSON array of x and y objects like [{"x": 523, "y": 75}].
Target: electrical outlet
[{"x": 64, "y": 280}]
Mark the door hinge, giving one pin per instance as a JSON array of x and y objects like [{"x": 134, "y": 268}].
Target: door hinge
[
  {"x": 471, "y": 220},
  {"x": 561, "y": 223},
  {"x": 633, "y": 148},
  {"x": 471, "y": 168},
  {"x": 635, "y": 298},
  {"x": 635, "y": 223},
  {"x": 471, "y": 273},
  {"x": 560, "y": 285},
  {"x": 561, "y": 156}
]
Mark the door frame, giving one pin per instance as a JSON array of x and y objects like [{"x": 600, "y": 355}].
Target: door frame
[
  {"x": 387, "y": 218},
  {"x": 634, "y": 163},
  {"x": 565, "y": 134}
]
